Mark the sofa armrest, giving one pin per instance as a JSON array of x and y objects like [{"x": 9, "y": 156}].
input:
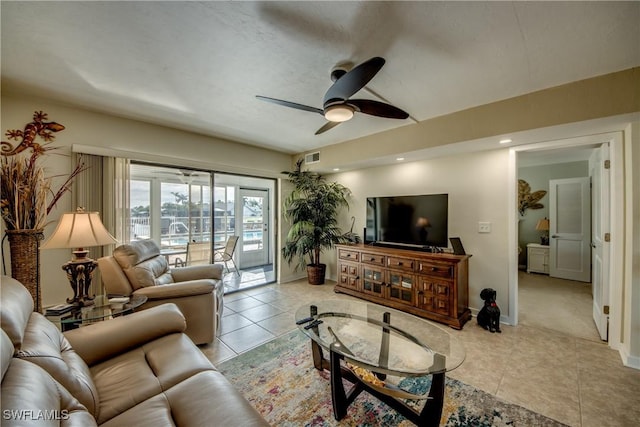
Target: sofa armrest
[
  {"x": 178, "y": 290},
  {"x": 104, "y": 340},
  {"x": 194, "y": 272}
]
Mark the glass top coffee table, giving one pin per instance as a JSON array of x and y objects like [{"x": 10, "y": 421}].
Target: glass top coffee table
[{"x": 375, "y": 348}]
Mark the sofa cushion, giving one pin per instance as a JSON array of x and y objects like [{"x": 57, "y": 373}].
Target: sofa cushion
[
  {"x": 142, "y": 263},
  {"x": 16, "y": 306},
  {"x": 30, "y": 396},
  {"x": 146, "y": 371},
  {"x": 6, "y": 351},
  {"x": 205, "y": 399},
  {"x": 45, "y": 346}
]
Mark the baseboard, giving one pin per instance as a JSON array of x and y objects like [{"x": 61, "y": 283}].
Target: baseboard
[
  {"x": 292, "y": 277},
  {"x": 627, "y": 359}
]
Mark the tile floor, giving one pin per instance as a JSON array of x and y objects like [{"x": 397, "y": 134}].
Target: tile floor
[
  {"x": 576, "y": 381},
  {"x": 247, "y": 278}
]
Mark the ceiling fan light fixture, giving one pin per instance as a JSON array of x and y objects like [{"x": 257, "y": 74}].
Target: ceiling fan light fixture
[{"x": 338, "y": 113}]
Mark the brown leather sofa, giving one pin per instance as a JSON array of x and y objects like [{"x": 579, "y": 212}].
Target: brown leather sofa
[
  {"x": 139, "y": 269},
  {"x": 139, "y": 369}
]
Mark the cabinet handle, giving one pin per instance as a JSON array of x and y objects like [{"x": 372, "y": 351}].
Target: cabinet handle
[
  {"x": 372, "y": 259},
  {"x": 420, "y": 292},
  {"x": 434, "y": 269}
]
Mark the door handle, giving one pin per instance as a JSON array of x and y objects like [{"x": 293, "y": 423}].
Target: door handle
[{"x": 555, "y": 236}]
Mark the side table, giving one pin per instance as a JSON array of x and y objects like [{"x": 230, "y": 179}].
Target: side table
[
  {"x": 537, "y": 258},
  {"x": 82, "y": 316}
]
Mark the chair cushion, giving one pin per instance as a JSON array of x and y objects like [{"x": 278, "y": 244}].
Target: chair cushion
[{"x": 142, "y": 263}]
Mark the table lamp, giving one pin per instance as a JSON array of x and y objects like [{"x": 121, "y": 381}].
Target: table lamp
[
  {"x": 79, "y": 230},
  {"x": 543, "y": 225}
]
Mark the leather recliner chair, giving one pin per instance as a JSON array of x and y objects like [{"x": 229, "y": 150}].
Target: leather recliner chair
[{"x": 138, "y": 268}]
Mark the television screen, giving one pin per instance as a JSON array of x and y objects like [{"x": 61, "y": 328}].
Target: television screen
[{"x": 409, "y": 220}]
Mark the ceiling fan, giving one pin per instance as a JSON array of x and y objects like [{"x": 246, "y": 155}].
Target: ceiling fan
[{"x": 337, "y": 107}]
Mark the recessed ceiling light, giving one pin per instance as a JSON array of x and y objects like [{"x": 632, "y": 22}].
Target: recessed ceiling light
[
  {"x": 505, "y": 141},
  {"x": 336, "y": 169},
  {"x": 399, "y": 159}
]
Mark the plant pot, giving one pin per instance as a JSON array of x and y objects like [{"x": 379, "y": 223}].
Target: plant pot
[
  {"x": 25, "y": 261},
  {"x": 315, "y": 273}
]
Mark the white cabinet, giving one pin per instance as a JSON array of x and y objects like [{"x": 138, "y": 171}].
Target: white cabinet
[{"x": 537, "y": 258}]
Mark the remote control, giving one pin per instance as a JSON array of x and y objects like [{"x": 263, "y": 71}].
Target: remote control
[
  {"x": 305, "y": 320},
  {"x": 313, "y": 324}
]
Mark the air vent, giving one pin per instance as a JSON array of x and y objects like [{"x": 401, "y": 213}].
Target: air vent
[{"x": 312, "y": 158}]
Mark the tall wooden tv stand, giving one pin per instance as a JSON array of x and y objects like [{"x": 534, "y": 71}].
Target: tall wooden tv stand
[{"x": 434, "y": 286}]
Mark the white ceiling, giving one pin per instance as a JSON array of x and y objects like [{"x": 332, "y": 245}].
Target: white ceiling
[{"x": 198, "y": 65}]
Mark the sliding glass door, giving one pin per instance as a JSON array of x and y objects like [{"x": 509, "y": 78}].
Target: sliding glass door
[
  {"x": 177, "y": 207},
  {"x": 255, "y": 227},
  {"x": 170, "y": 206}
]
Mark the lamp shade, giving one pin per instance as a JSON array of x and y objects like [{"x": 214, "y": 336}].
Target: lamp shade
[
  {"x": 79, "y": 230},
  {"x": 542, "y": 225}
]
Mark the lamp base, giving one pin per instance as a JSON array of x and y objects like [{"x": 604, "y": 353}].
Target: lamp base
[
  {"x": 80, "y": 272},
  {"x": 544, "y": 240}
]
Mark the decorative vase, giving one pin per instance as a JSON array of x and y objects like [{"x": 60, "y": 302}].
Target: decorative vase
[
  {"x": 316, "y": 273},
  {"x": 25, "y": 261}
]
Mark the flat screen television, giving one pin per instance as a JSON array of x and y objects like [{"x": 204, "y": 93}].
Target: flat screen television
[{"x": 416, "y": 221}]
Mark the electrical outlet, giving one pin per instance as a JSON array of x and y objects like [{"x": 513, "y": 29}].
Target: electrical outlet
[{"x": 484, "y": 227}]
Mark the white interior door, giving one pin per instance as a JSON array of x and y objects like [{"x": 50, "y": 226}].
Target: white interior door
[
  {"x": 599, "y": 226},
  {"x": 570, "y": 229},
  {"x": 254, "y": 237}
]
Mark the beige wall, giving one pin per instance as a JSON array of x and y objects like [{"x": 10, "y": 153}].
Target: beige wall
[
  {"x": 143, "y": 142},
  {"x": 477, "y": 188},
  {"x": 603, "y": 96}
]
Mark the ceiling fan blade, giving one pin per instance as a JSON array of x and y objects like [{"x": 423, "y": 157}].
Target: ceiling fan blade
[
  {"x": 290, "y": 104},
  {"x": 354, "y": 80},
  {"x": 327, "y": 126},
  {"x": 377, "y": 108}
]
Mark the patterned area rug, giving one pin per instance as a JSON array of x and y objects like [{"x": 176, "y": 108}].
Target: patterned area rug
[{"x": 279, "y": 380}]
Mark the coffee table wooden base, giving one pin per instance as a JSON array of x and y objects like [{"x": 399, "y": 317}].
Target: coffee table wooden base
[{"x": 429, "y": 416}]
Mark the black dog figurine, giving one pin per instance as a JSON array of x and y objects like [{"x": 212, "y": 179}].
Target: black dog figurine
[{"x": 489, "y": 316}]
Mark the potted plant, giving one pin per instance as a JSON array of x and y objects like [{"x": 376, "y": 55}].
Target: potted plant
[{"x": 312, "y": 209}]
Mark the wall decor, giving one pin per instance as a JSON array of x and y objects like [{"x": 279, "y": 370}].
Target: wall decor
[
  {"x": 527, "y": 199},
  {"x": 27, "y": 197}
]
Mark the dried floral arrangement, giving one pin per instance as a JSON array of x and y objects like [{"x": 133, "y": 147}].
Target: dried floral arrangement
[{"x": 27, "y": 193}]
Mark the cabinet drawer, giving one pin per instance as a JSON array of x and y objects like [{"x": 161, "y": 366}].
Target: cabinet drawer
[
  {"x": 349, "y": 269},
  {"x": 401, "y": 263},
  {"x": 349, "y": 255},
  {"x": 536, "y": 251},
  {"x": 375, "y": 259},
  {"x": 437, "y": 270},
  {"x": 349, "y": 281}
]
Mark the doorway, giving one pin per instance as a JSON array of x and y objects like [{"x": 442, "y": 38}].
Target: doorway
[
  {"x": 244, "y": 208},
  {"x": 254, "y": 244},
  {"x": 612, "y": 222}
]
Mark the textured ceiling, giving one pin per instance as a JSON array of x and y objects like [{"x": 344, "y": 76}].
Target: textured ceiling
[{"x": 198, "y": 65}]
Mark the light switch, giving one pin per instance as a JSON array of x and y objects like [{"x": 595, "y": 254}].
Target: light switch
[{"x": 484, "y": 227}]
